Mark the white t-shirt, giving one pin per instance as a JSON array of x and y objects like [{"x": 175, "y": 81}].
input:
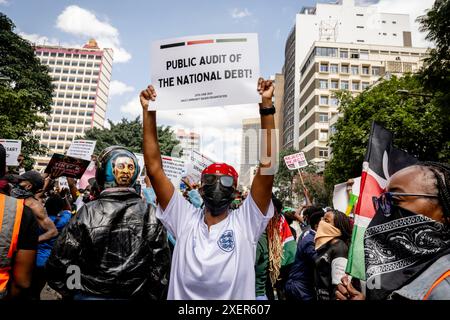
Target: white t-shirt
[{"x": 218, "y": 264}]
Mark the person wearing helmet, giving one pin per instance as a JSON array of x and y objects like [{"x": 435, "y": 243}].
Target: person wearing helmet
[
  {"x": 114, "y": 248},
  {"x": 214, "y": 254}
]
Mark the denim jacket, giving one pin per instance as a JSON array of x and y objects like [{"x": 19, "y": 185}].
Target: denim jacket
[{"x": 419, "y": 288}]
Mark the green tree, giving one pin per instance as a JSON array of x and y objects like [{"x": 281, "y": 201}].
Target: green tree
[
  {"x": 25, "y": 91},
  {"x": 435, "y": 74},
  {"x": 414, "y": 120},
  {"x": 128, "y": 133},
  {"x": 284, "y": 179}
]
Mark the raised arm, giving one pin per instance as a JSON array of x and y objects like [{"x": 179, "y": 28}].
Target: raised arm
[
  {"x": 261, "y": 189},
  {"x": 152, "y": 155}
]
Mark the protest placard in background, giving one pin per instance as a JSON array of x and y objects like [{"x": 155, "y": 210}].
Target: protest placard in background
[
  {"x": 13, "y": 148},
  {"x": 296, "y": 161},
  {"x": 174, "y": 168},
  {"x": 205, "y": 71},
  {"x": 88, "y": 174},
  {"x": 61, "y": 165},
  {"x": 63, "y": 184},
  {"x": 198, "y": 162},
  {"x": 141, "y": 162},
  {"x": 82, "y": 149},
  {"x": 340, "y": 194}
]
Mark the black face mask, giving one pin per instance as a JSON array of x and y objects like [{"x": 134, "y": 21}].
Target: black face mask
[
  {"x": 217, "y": 198},
  {"x": 19, "y": 192}
]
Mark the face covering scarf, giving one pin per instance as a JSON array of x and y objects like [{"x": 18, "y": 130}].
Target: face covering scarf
[
  {"x": 325, "y": 233},
  {"x": 20, "y": 193},
  {"x": 400, "y": 247}
]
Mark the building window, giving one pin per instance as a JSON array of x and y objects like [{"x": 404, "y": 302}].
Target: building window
[
  {"x": 323, "y": 84},
  {"x": 365, "y": 70},
  {"x": 344, "y": 68},
  {"x": 323, "y": 117},
  {"x": 334, "y": 84},
  {"x": 306, "y": 141},
  {"x": 343, "y": 54},
  {"x": 334, "y": 101},
  {"x": 376, "y": 71},
  {"x": 334, "y": 68},
  {"x": 394, "y": 22},
  {"x": 394, "y": 34},
  {"x": 355, "y": 86},
  {"x": 323, "y": 67},
  {"x": 326, "y": 52},
  {"x": 364, "y": 54},
  {"x": 354, "y": 55},
  {"x": 364, "y": 85},
  {"x": 360, "y": 27},
  {"x": 344, "y": 84},
  {"x": 359, "y": 40},
  {"x": 323, "y": 153},
  {"x": 355, "y": 70},
  {"x": 323, "y": 135},
  {"x": 360, "y": 15},
  {"x": 383, "y": 21},
  {"x": 323, "y": 100}
]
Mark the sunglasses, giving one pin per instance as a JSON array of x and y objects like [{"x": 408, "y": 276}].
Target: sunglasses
[
  {"x": 386, "y": 200},
  {"x": 211, "y": 179}
]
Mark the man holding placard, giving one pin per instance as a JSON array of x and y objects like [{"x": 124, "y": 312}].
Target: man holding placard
[{"x": 214, "y": 254}]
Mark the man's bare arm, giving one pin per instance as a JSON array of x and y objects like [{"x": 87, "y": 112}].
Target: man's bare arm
[
  {"x": 261, "y": 189},
  {"x": 152, "y": 155},
  {"x": 44, "y": 222},
  {"x": 22, "y": 271}
]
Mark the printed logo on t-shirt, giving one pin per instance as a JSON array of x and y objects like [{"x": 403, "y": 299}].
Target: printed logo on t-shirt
[{"x": 226, "y": 241}]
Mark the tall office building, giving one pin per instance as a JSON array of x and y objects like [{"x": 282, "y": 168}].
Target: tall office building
[
  {"x": 342, "y": 66},
  {"x": 81, "y": 78},
  {"x": 278, "y": 102},
  {"x": 336, "y": 26},
  {"x": 188, "y": 141},
  {"x": 249, "y": 150}
]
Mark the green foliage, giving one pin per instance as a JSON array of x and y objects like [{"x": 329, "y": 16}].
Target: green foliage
[
  {"x": 25, "y": 91},
  {"x": 129, "y": 134},
  {"x": 414, "y": 120}
]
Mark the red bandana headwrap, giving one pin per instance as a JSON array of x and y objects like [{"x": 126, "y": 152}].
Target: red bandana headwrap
[{"x": 221, "y": 168}]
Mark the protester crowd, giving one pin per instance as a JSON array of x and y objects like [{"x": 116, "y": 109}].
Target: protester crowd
[{"x": 116, "y": 239}]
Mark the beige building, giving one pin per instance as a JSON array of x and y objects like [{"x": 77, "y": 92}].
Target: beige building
[
  {"x": 278, "y": 102},
  {"x": 81, "y": 78},
  {"x": 332, "y": 66},
  {"x": 188, "y": 141},
  {"x": 249, "y": 150}
]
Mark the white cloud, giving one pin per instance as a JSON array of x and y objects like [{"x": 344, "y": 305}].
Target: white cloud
[
  {"x": 4, "y": 2},
  {"x": 83, "y": 23},
  {"x": 132, "y": 107},
  {"x": 413, "y": 8},
  {"x": 239, "y": 14},
  {"x": 118, "y": 88}
]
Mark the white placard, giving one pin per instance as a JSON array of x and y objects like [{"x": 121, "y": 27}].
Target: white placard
[
  {"x": 63, "y": 184},
  {"x": 340, "y": 195},
  {"x": 13, "y": 148},
  {"x": 174, "y": 168},
  {"x": 198, "y": 162},
  {"x": 81, "y": 149},
  {"x": 205, "y": 71},
  {"x": 141, "y": 162},
  {"x": 296, "y": 161}
]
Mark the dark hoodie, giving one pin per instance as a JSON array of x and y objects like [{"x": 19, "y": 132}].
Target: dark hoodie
[{"x": 119, "y": 246}]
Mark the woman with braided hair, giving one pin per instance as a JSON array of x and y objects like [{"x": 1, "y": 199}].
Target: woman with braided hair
[
  {"x": 275, "y": 254},
  {"x": 407, "y": 243}
]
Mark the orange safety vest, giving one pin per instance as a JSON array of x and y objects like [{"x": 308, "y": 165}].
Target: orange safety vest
[{"x": 11, "y": 211}]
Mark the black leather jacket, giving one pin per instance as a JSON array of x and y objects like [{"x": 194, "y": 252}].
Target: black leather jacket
[{"x": 120, "y": 247}]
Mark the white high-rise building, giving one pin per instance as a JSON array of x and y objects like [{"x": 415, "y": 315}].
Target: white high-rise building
[
  {"x": 81, "y": 78},
  {"x": 338, "y": 22}
]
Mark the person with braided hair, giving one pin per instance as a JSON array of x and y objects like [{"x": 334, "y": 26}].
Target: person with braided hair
[{"x": 407, "y": 243}]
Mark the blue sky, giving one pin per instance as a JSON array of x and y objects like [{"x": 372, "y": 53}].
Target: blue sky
[{"x": 131, "y": 26}]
